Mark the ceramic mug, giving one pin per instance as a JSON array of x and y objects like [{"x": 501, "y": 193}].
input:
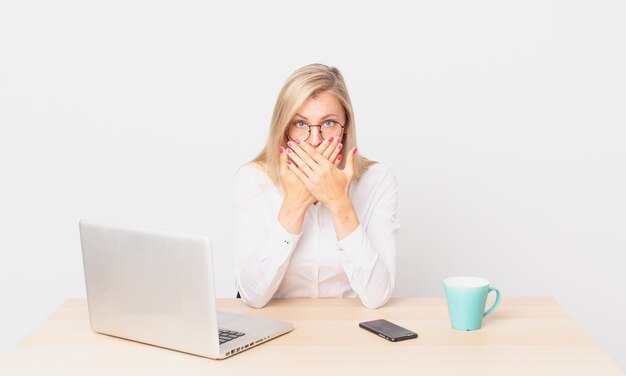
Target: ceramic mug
[{"x": 466, "y": 297}]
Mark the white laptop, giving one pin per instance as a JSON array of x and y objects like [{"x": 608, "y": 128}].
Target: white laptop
[{"x": 157, "y": 287}]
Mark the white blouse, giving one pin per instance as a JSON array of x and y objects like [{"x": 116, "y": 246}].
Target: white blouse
[{"x": 271, "y": 262}]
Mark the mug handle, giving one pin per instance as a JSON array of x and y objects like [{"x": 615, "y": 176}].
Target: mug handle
[{"x": 495, "y": 304}]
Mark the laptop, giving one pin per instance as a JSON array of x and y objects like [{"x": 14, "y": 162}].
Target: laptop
[{"x": 157, "y": 287}]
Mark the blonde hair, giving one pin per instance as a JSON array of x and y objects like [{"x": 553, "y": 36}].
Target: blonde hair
[{"x": 303, "y": 84}]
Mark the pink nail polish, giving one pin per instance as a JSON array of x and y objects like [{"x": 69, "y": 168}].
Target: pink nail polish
[
  {"x": 330, "y": 139},
  {"x": 355, "y": 149},
  {"x": 339, "y": 146},
  {"x": 289, "y": 143},
  {"x": 280, "y": 149},
  {"x": 339, "y": 157},
  {"x": 298, "y": 142},
  {"x": 288, "y": 162},
  {"x": 288, "y": 151}
]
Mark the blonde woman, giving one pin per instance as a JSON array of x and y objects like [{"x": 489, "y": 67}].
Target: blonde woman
[{"x": 314, "y": 218}]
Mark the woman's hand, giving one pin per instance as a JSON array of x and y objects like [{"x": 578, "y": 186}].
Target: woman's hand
[
  {"x": 297, "y": 197},
  {"x": 295, "y": 193},
  {"x": 326, "y": 183}
]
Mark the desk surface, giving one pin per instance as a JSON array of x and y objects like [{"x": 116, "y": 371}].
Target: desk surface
[{"x": 525, "y": 336}]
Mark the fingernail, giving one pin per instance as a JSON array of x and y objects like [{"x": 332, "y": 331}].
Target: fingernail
[
  {"x": 339, "y": 146},
  {"x": 288, "y": 151},
  {"x": 339, "y": 157},
  {"x": 281, "y": 149},
  {"x": 288, "y": 162},
  {"x": 355, "y": 149},
  {"x": 330, "y": 139},
  {"x": 289, "y": 143},
  {"x": 298, "y": 142}
]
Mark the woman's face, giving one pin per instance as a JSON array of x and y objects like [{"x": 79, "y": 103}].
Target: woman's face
[{"x": 324, "y": 115}]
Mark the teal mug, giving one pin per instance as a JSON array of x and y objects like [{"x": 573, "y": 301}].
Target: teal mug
[{"x": 466, "y": 298}]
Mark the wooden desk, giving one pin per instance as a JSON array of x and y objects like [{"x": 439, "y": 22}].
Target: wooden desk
[{"x": 524, "y": 336}]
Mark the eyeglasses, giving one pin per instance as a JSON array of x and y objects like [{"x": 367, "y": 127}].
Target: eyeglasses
[{"x": 299, "y": 130}]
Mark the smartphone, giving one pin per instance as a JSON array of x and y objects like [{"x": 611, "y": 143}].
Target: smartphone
[{"x": 388, "y": 330}]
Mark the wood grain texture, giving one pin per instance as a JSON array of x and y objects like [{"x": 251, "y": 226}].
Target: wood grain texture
[{"x": 524, "y": 336}]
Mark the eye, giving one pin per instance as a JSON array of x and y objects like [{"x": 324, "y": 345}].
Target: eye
[
  {"x": 329, "y": 123},
  {"x": 300, "y": 124}
]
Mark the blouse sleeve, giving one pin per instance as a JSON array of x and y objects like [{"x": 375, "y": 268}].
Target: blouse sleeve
[
  {"x": 369, "y": 252},
  {"x": 262, "y": 247}
]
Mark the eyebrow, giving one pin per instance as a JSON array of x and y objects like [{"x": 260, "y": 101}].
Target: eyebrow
[{"x": 323, "y": 117}]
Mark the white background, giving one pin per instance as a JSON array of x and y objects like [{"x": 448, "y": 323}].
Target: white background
[{"x": 503, "y": 121}]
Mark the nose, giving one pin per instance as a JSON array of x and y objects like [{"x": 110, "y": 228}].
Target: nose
[{"x": 315, "y": 138}]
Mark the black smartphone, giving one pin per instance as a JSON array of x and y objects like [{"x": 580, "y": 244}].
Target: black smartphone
[{"x": 388, "y": 330}]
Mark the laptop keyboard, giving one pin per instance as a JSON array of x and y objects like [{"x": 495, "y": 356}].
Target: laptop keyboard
[{"x": 228, "y": 335}]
